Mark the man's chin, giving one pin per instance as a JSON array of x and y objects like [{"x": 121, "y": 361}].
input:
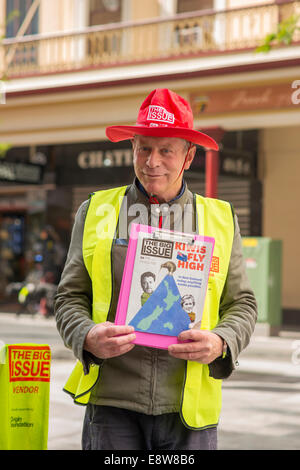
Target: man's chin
[{"x": 153, "y": 188}]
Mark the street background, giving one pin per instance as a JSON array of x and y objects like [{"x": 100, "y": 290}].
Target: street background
[
  {"x": 71, "y": 68},
  {"x": 260, "y": 400}
]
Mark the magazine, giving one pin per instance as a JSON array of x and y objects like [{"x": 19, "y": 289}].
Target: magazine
[{"x": 164, "y": 284}]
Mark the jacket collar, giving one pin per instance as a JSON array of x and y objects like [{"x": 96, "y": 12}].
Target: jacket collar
[{"x": 138, "y": 192}]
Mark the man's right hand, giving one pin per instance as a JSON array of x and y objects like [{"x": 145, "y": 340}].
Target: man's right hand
[{"x": 107, "y": 340}]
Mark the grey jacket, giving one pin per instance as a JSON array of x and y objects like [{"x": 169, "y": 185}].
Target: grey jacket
[{"x": 147, "y": 380}]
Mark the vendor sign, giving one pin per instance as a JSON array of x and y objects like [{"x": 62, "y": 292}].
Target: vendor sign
[{"x": 24, "y": 404}]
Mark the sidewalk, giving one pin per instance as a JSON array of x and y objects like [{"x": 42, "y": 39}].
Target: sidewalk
[
  {"x": 28, "y": 328},
  {"x": 272, "y": 354},
  {"x": 261, "y": 399}
]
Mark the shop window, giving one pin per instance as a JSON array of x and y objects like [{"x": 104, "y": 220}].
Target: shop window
[
  {"x": 16, "y": 11},
  {"x": 238, "y": 180},
  {"x": 11, "y": 249}
]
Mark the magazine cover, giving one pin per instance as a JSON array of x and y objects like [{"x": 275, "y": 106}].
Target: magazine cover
[{"x": 164, "y": 284}]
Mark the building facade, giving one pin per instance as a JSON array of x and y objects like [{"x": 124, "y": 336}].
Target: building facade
[{"x": 79, "y": 66}]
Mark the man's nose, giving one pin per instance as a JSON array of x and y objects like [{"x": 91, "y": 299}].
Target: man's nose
[{"x": 153, "y": 159}]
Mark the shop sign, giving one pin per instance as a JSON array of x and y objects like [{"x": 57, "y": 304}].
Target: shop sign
[
  {"x": 20, "y": 172},
  {"x": 104, "y": 158},
  {"x": 246, "y": 99}
]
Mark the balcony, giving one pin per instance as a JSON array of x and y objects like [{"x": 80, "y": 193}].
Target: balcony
[{"x": 196, "y": 34}]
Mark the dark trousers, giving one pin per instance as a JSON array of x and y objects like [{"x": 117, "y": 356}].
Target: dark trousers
[{"x": 109, "y": 428}]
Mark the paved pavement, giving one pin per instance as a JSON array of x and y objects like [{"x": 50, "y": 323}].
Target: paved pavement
[
  {"x": 261, "y": 400},
  {"x": 65, "y": 418}
]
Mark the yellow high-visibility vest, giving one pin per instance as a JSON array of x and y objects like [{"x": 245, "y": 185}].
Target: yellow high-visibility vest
[{"x": 201, "y": 394}]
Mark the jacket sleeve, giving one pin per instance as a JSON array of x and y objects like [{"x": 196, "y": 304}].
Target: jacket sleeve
[
  {"x": 238, "y": 311},
  {"x": 73, "y": 301}
]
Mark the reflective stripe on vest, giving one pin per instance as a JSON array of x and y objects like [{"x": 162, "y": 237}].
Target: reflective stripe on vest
[
  {"x": 201, "y": 395},
  {"x": 99, "y": 230}
]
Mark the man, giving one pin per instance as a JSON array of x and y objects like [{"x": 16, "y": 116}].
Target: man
[
  {"x": 148, "y": 284},
  {"x": 138, "y": 397}
]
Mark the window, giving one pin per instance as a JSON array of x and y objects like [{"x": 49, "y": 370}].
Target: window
[
  {"x": 27, "y": 53},
  {"x": 184, "y": 6},
  {"x": 105, "y": 44},
  {"x": 194, "y": 34},
  {"x": 105, "y": 11},
  {"x": 21, "y": 7}
]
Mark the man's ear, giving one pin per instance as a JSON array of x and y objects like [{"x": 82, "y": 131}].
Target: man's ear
[
  {"x": 190, "y": 157},
  {"x": 133, "y": 142}
]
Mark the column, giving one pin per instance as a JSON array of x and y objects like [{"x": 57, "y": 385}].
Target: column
[{"x": 212, "y": 162}]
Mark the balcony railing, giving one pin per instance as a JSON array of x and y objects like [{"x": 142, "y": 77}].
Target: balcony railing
[{"x": 197, "y": 33}]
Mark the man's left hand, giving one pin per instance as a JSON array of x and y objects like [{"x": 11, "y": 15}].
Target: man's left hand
[{"x": 203, "y": 346}]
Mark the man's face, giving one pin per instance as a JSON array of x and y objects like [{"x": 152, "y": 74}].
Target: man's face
[
  {"x": 158, "y": 162},
  {"x": 148, "y": 284}
]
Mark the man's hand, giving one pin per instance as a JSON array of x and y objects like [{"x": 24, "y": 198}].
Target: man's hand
[
  {"x": 107, "y": 340},
  {"x": 204, "y": 347}
]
